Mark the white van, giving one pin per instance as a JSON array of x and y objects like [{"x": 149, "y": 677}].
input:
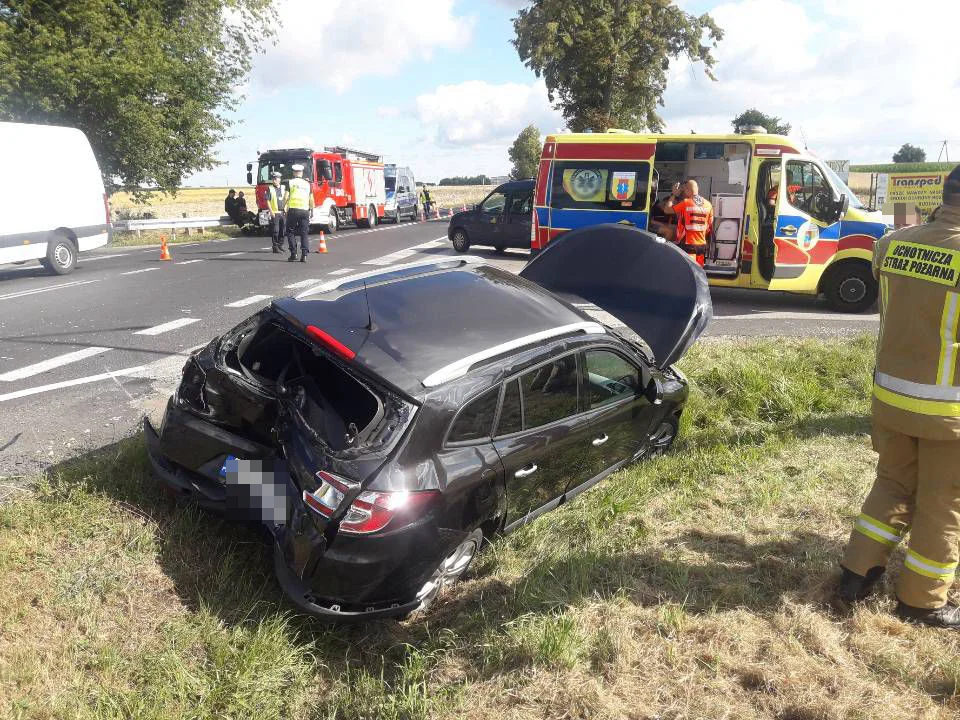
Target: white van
[{"x": 54, "y": 210}]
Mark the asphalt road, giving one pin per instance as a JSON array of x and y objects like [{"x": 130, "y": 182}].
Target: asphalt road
[{"x": 83, "y": 356}]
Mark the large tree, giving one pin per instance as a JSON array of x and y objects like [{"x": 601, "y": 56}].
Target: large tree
[
  {"x": 525, "y": 153},
  {"x": 149, "y": 81},
  {"x": 910, "y": 154},
  {"x": 605, "y": 62},
  {"x": 753, "y": 117}
]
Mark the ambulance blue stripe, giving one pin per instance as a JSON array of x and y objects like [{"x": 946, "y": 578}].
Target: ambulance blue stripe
[
  {"x": 543, "y": 216},
  {"x": 573, "y": 219},
  {"x": 860, "y": 227}
]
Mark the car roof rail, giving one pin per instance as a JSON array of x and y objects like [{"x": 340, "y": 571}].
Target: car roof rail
[
  {"x": 462, "y": 366},
  {"x": 349, "y": 283}
]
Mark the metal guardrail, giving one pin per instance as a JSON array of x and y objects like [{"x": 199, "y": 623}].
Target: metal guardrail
[{"x": 171, "y": 223}]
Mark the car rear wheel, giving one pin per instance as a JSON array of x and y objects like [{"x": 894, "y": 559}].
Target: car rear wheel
[
  {"x": 451, "y": 568},
  {"x": 332, "y": 223},
  {"x": 461, "y": 243},
  {"x": 661, "y": 439},
  {"x": 61, "y": 255}
]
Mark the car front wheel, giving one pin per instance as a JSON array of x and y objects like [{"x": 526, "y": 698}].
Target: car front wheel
[
  {"x": 461, "y": 243},
  {"x": 661, "y": 439},
  {"x": 61, "y": 255},
  {"x": 850, "y": 287}
]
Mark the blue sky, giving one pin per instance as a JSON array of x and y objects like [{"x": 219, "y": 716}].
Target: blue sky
[{"x": 436, "y": 84}]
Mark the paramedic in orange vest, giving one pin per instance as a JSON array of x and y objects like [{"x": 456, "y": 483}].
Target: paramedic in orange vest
[
  {"x": 694, "y": 220},
  {"x": 916, "y": 422}
]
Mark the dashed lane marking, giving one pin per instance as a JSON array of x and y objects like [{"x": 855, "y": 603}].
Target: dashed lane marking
[
  {"x": 70, "y": 383},
  {"x": 94, "y": 258},
  {"x": 302, "y": 283},
  {"x": 52, "y": 363},
  {"x": 167, "y": 326},
  {"x": 137, "y": 272},
  {"x": 190, "y": 262},
  {"x": 48, "y": 288},
  {"x": 248, "y": 301},
  {"x": 405, "y": 253},
  {"x": 234, "y": 254},
  {"x": 341, "y": 271}
]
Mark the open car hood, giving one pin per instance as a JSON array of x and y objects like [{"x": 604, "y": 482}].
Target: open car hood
[{"x": 650, "y": 285}]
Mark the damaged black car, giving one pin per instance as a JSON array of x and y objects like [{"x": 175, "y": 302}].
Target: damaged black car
[{"x": 384, "y": 425}]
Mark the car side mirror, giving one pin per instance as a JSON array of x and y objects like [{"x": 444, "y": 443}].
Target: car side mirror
[
  {"x": 249, "y": 178},
  {"x": 843, "y": 204},
  {"x": 249, "y": 167},
  {"x": 654, "y": 391}
]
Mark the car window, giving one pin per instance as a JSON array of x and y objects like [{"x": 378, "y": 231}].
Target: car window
[
  {"x": 549, "y": 392},
  {"x": 599, "y": 185},
  {"x": 494, "y": 204},
  {"x": 475, "y": 420},
  {"x": 511, "y": 412},
  {"x": 610, "y": 377},
  {"x": 521, "y": 203}
]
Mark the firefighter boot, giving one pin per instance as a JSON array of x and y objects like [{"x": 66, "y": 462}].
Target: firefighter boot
[
  {"x": 946, "y": 616},
  {"x": 854, "y": 588}
]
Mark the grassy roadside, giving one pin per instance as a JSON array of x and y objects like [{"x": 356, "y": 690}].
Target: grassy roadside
[
  {"x": 687, "y": 587},
  {"x": 152, "y": 237}
]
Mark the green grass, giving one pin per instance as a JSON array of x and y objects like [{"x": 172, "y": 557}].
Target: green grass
[
  {"x": 152, "y": 237},
  {"x": 932, "y": 167},
  {"x": 689, "y": 586}
]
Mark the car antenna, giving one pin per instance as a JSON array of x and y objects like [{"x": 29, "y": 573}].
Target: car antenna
[{"x": 366, "y": 298}]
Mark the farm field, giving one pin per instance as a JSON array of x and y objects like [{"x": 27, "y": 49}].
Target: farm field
[{"x": 691, "y": 586}]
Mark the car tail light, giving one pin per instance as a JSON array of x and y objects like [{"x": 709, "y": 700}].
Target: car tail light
[
  {"x": 330, "y": 342},
  {"x": 534, "y": 226},
  {"x": 371, "y": 511}
]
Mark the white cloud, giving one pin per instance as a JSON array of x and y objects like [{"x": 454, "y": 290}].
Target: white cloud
[
  {"x": 335, "y": 43},
  {"x": 476, "y": 113},
  {"x": 388, "y": 111},
  {"x": 847, "y": 74}
]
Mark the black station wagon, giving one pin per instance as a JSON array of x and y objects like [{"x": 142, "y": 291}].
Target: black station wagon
[{"x": 384, "y": 425}]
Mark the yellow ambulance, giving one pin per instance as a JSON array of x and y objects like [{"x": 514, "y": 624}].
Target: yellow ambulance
[{"x": 783, "y": 220}]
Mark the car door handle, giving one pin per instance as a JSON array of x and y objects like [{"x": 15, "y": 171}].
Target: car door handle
[
  {"x": 597, "y": 442},
  {"x": 526, "y": 471}
]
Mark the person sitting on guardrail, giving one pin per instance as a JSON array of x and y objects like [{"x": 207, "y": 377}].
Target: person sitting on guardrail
[
  {"x": 244, "y": 216},
  {"x": 230, "y": 204}
]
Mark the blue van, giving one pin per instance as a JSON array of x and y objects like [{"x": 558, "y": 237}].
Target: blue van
[{"x": 401, "y": 194}]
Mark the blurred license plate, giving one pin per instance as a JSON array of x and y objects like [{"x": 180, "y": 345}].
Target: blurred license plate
[{"x": 264, "y": 218}]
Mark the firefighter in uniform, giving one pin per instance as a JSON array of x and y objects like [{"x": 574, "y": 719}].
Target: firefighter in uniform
[
  {"x": 276, "y": 195},
  {"x": 298, "y": 207},
  {"x": 694, "y": 220},
  {"x": 916, "y": 421}
]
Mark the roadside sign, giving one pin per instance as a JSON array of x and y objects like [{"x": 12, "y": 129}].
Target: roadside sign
[{"x": 917, "y": 192}]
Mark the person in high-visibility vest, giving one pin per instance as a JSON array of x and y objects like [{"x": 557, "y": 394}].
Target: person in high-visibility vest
[
  {"x": 276, "y": 197},
  {"x": 298, "y": 207},
  {"x": 694, "y": 220},
  {"x": 916, "y": 422}
]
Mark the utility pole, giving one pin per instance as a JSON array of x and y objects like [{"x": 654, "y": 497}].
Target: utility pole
[{"x": 944, "y": 150}]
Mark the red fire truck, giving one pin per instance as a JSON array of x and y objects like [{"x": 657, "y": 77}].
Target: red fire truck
[{"x": 348, "y": 185}]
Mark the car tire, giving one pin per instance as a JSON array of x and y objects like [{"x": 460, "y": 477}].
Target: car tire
[
  {"x": 500, "y": 248},
  {"x": 451, "y": 568},
  {"x": 371, "y": 217},
  {"x": 333, "y": 223},
  {"x": 850, "y": 287},
  {"x": 61, "y": 255},
  {"x": 460, "y": 240},
  {"x": 661, "y": 439}
]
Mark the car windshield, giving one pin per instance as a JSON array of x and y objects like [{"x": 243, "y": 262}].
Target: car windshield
[
  {"x": 841, "y": 187},
  {"x": 390, "y": 182},
  {"x": 284, "y": 168}
]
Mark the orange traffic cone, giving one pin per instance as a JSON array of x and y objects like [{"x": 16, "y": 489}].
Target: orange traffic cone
[
  {"x": 164, "y": 250},
  {"x": 322, "y": 245}
]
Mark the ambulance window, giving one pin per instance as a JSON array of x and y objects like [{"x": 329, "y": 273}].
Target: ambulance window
[
  {"x": 708, "y": 151},
  {"x": 672, "y": 152},
  {"x": 600, "y": 185},
  {"x": 337, "y": 173},
  {"x": 809, "y": 191}
]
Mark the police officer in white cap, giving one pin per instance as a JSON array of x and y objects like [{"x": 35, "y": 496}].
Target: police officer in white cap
[
  {"x": 276, "y": 196},
  {"x": 299, "y": 205}
]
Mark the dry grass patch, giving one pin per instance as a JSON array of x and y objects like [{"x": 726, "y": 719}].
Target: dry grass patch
[{"x": 693, "y": 586}]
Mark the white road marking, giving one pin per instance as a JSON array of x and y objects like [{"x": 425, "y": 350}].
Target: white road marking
[
  {"x": 52, "y": 363},
  {"x": 126, "y": 372},
  {"x": 248, "y": 301},
  {"x": 189, "y": 262},
  {"x": 268, "y": 247},
  {"x": 234, "y": 254},
  {"x": 136, "y": 272},
  {"x": 47, "y": 288},
  {"x": 341, "y": 271},
  {"x": 167, "y": 326},
  {"x": 303, "y": 283},
  {"x": 94, "y": 258},
  {"x": 405, "y": 253},
  {"x": 842, "y": 317}
]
